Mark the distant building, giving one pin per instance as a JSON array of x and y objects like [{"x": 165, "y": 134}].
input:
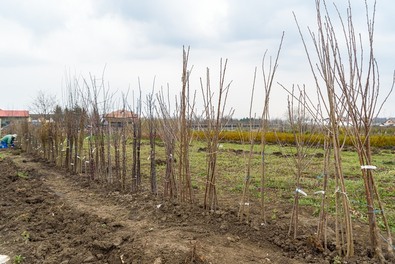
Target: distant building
[
  {"x": 389, "y": 122},
  {"x": 119, "y": 117},
  {"x": 36, "y": 119},
  {"x": 9, "y": 116}
]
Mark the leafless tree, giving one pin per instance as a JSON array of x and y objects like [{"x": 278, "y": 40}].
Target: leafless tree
[
  {"x": 323, "y": 220},
  {"x": 168, "y": 131},
  {"x": 323, "y": 69},
  {"x": 352, "y": 88},
  {"x": 268, "y": 72},
  {"x": 183, "y": 138},
  {"x": 214, "y": 118},
  {"x": 44, "y": 104},
  {"x": 360, "y": 84},
  {"x": 268, "y": 78},
  {"x": 304, "y": 129},
  {"x": 152, "y": 127},
  {"x": 136, "y": 164},
  {"x": 125, "y": 131},
  {"x": 248, "y": 156}
]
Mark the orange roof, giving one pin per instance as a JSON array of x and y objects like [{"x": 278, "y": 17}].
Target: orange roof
[
  {"x": 121, "y": 114},
  {"x": 14, "y": 113}
]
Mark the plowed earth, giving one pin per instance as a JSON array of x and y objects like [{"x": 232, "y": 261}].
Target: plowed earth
[{"x": 49, "y": 216}]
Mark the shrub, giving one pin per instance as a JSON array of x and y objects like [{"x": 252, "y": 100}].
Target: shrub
[{"x": 377, "y": 140}]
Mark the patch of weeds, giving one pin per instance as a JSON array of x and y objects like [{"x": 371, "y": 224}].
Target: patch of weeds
[
  {"x": 309, "y": 201},
  {"x": 195, "y": 186},
  {"x": 316, "y": 212},
  {"x": 237, "y": 188},
  {"x": 337, "y": 260},
  {"x": 274, "y": 214},
  {"x": 26, "y": 236},
  {"x": 18, "y": 259},
  {"x": 22, "y": 174}
]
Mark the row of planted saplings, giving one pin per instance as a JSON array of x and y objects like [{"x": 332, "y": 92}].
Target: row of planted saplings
[{"x": 80, "y": 146}]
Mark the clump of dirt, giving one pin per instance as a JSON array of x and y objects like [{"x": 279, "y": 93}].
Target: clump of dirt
[{"x": 48, "y": 216}]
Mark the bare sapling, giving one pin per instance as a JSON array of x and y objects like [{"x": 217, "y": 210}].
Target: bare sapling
[
  {"x": 77, "y": 114},
  {"x": 96, "y": 160},
  {"x": 312, "y": 121},
  {"x": 44, "y": 139},
  {"x": 58, "y": 134},
  {"x": 51, "y": 137},
  {"x": 185, "y": 135},
  {"x": 136, "y": 164},
  {"x": 68, "y": 143},
  {"x": 324, "y": 77},
  {"x": 95, "y": 126},
  {"x": 102, "y": 161},
  {"x": 124, "y": 136},
  {"x": 150, "y": 110},
  {"x": 248, "y": 156},
  {"x": 82, "y": 116},
  {"x": 168, "y": 131},
  {"x": 360, "y": 85},
  {"x": 304, "y": 129},
  {"x": 268, "y": 78},
  {"x": 116, "y": 141},
  {"x": 104, "y": 153},
  {"x": 73, "y": 113},
  {"x": 322, "y": 218},
  {"x": 214, "y": 117},
  {"x": 112, "y": 147},
  {"x": 89, "y": 98},
  {"x": 123, "y": 155},
  {"x": 25, "y": 132},
  {"x": 342, "y": 65},
  {"x": 117, "y": 128}
]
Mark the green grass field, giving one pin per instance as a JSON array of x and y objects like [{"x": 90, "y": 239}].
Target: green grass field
[{"x": 280, "y": 179}]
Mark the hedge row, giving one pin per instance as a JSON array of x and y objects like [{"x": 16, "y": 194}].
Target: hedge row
[{"x": 379, "y": 141}]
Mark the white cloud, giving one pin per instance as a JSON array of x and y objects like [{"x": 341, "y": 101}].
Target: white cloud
[
  {"x": 144, "y": 39},
  {"x": 16, "y": 42}
]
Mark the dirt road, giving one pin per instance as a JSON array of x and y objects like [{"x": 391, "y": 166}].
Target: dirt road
[{"x": 48, "y": 216}]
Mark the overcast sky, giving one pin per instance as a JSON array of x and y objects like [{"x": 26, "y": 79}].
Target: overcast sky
[{"x": 42, "y": 40}]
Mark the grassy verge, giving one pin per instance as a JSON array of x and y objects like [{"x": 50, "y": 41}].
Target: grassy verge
[{"x": 279, "y": 182}]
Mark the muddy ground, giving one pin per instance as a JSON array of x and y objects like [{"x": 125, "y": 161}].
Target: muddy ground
[{"x": 48, "y": 216}]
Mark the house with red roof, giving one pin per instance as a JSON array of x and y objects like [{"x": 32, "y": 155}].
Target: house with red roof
[
  {"x": 9, "y": 116},
  {"x": 119, "y": 117}
]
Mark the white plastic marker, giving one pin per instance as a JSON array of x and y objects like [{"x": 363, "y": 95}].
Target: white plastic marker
[
  {"x": 368, "y": 167},
  {"x": 300, "y": 191},
  {"x": 319, "y": 192},
  {"x": 4, "y": 259}
]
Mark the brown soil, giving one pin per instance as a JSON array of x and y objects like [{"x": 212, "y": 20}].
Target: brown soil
[{"x": 48, "y": 216}]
